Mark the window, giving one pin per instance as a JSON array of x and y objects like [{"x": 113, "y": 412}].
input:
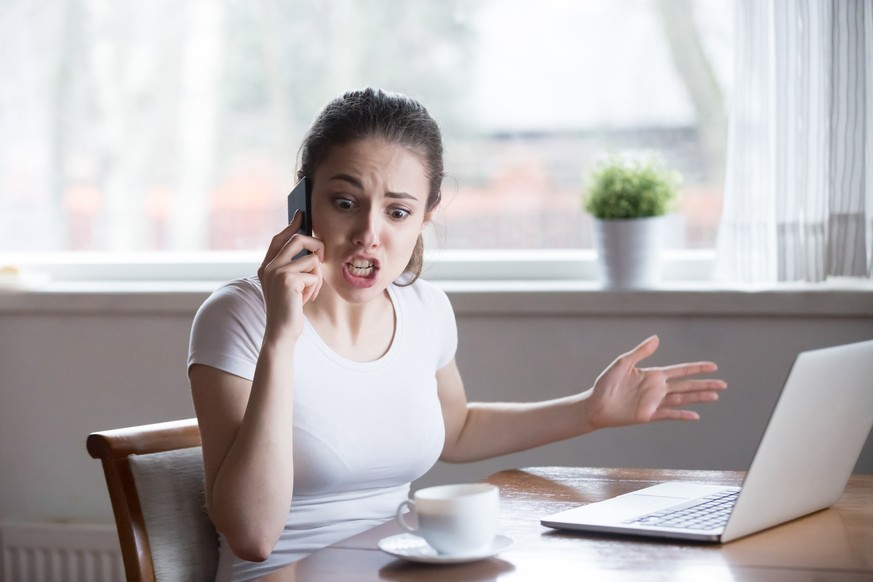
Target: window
[{"x": 157, "y": 125}]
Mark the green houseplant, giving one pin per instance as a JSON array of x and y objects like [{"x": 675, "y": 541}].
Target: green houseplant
[
  {"x": 628, "y": 200},
  {"x": 619, "y": 189}
]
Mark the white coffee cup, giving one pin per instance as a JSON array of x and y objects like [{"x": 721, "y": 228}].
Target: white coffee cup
[{"x": 454, "y": 519}]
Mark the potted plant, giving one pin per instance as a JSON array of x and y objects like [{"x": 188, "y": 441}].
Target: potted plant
[{"x": 628, "y": 200}]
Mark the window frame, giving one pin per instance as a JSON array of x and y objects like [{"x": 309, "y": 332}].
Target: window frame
[{"x": 498, "y": 266}]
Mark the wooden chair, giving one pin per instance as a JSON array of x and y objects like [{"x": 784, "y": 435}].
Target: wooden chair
[{"x": 155, "y": 478}]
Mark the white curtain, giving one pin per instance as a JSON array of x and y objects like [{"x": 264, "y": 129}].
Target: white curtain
[{"x": 799, "y": 181}]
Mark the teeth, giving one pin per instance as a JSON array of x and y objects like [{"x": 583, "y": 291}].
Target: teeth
[{"x": 361, "y": 268}]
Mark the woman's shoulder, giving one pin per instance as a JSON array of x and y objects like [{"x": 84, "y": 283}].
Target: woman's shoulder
[
  {"x": 238, "y": 295},
  {"x": 424, "y": 295},
  {"x": 245, "y": 288},
  {"x": 422, "y": 291},
  {"x": 427, "y": 312},
  {"x": 228, "y": 328}
]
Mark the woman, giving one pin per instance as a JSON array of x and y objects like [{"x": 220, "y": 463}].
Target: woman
[{"x": 328, "y": 383}]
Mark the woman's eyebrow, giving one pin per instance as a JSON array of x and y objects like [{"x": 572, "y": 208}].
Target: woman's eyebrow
[
  {"x": 360, "y": 185},
  {"x": 348, "y": 178},
  {"x": 400, "y": 195}
]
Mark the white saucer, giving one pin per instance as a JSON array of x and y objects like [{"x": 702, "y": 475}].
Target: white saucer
[{"x": 414, "y": 548}]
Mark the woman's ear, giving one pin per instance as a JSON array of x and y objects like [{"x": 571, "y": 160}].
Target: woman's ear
[{"x": 427, "y": 219}]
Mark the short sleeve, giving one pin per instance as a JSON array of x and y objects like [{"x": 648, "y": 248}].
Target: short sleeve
[
  {"x": 431, "y": 309},
  {"x": 228, "y": 329},
  {"x": 449, "y": 326}
]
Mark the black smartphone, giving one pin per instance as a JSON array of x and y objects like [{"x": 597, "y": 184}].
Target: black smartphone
[{"x": 300, "y": 199}]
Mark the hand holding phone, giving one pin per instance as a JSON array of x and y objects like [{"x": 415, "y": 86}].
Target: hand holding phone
[{"x": 300, "y": 199}]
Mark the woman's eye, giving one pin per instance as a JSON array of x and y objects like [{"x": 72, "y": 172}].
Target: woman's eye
[
  {"x": 399, "y": 213},
  {"x": 344, "y": 204}
]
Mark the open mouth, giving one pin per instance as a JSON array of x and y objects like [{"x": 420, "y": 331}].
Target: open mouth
[{"x": 361, "y": 268}]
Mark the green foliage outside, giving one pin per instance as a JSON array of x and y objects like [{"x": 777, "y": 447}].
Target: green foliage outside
[{"x": 620, "y": 189}]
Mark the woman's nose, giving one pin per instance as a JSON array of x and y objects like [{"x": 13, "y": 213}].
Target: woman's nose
[{"x": 367, "y": 230}]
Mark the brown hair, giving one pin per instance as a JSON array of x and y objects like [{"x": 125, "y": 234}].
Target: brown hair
[{"x": 396, "y": 118}]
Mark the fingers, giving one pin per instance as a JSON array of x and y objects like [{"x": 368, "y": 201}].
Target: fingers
[
  {"x": 281, "y": 262},
  {"x": 288, "y": 244},
  {"x": 295, "y": 242},
  {"x": 285, "y": 235},
  {"x": 293, "y": 247},
  {"x": 311, "y": 292},
  {"x": 280, "y": 240},
  {"x": 671, "y": 414},
  {"x": 711, "y": 384},
  {"x": 306, "y": 269},
  {"x": 686, "y": 393},
  {"x": 672, "y": 405},
  {"x": 688, "y": 369},
  {"x": 686, "y": 398}
]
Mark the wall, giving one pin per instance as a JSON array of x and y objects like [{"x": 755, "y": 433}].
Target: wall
[{"x": 75, "y": 362}]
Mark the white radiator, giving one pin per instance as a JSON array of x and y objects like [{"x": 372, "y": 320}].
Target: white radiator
[{"x": 59, "y": 552}]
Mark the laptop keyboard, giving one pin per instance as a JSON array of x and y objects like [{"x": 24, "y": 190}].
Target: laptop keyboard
[{"x": 706, "y": 513}]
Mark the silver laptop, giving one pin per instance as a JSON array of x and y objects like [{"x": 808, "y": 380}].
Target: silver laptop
[{"x": 803, "y": 462}]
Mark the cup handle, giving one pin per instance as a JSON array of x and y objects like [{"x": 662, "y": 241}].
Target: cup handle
[{"x": 402, "y": 509}]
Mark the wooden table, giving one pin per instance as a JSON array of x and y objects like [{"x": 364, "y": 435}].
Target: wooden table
[{"x": 834, "y": 544}]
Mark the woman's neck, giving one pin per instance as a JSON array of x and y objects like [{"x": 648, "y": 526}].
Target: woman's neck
[{"x": 361, "y": 332}]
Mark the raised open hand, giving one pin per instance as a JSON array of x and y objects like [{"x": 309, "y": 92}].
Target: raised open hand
[{"x": 624, "y": 394}]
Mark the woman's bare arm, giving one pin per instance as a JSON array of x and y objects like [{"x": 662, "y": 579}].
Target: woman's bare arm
[
  {"x": 247, "y": 427},
  {"x": 623, "y": 394}
]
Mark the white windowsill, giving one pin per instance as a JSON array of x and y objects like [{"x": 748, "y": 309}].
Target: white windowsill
[
  {"x": 487, "y": 283},
  {"x": 486, "y": 265}
]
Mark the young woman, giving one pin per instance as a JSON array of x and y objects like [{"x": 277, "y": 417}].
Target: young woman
[{"x": 328, "y": 383}]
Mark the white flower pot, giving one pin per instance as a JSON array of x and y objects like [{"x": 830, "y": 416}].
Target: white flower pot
[{"x": 629, "y": 251}]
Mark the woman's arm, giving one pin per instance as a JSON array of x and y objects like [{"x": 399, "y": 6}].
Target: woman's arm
[
  {"x": 247, "y": 427},
  {"x": 622, "y": 395}
]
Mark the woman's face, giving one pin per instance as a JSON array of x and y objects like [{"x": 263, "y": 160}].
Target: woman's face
[{"x": 369, "y": 204}]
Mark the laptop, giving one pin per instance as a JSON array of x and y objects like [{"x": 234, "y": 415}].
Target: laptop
[{"x": 804, "y": 460}]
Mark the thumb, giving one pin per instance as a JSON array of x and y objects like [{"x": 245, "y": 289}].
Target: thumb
[{"x": 643, "y": 351}]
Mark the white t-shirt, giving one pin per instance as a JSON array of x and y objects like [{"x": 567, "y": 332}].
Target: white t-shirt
[{"x": 362, "y": 431}]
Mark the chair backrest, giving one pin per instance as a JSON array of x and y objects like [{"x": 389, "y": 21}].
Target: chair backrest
[{"x": 155, "y": 478}]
